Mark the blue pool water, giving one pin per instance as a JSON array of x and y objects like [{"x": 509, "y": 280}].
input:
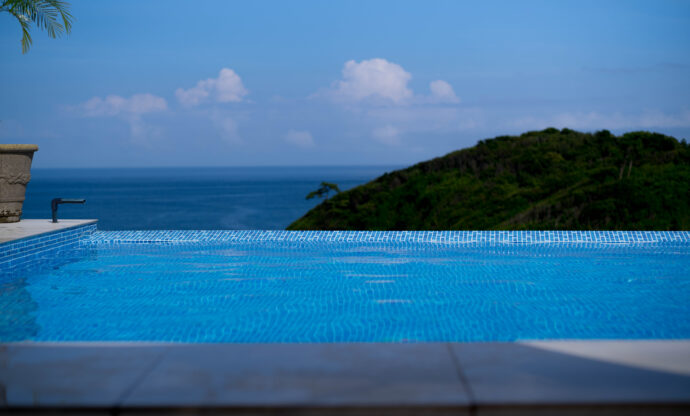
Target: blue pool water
[{"x": 338, "y": 291}]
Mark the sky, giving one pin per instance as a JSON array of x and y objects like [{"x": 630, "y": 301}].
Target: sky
[{"x": 299, "y": 83}]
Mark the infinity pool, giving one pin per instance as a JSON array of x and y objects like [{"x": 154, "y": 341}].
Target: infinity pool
[{"x": 348, "y": 291}]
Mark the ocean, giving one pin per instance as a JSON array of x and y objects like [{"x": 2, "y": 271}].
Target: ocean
[{"x": 228, "y": 198}]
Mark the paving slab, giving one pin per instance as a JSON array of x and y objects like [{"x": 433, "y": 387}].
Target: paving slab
[
  {"x": 297, "y": 411},
  {"x": 54, "y": 411},
  {"x": 72, "y": 375},
  {"x": 304, "y": 376},
  {"x": 583, "y": 410},
  {"x": 534, "y": 378},
  {"x": 525, "y": 374},
  {"x": 671, "y": 356},
  {"x": 29, "y": 228}
]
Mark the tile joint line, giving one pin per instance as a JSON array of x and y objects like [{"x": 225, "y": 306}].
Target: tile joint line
[
  {"x": 463, "y": 380},
  {"x": 136, "y": 383}
]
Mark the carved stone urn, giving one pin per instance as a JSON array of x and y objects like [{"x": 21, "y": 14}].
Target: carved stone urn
[{"x": 15, "y": 173}]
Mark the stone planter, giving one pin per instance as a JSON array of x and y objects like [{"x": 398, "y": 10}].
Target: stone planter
[{"x": 15, "y": 173}]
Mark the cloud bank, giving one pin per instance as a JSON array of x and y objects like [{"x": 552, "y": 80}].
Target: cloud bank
[
  {"x": 129, "y": 109},
  {"x": 372, "y": 108},
  {"x": 115, "y": 105},
  {"x": 225, "y": 88}
]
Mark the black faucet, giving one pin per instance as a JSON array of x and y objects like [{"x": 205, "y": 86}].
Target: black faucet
[{"x": 54, "y": 205}]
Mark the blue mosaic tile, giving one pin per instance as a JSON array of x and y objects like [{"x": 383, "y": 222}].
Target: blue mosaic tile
[
  {"x": 447, "y": 237},
  {"x": 27, "y": 251},
  {"x": 302, "y": 290},
  {"x": 342, "y": 286}
]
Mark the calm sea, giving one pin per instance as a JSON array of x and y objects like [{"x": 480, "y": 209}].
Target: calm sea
[{"x": 188, "y": 198}]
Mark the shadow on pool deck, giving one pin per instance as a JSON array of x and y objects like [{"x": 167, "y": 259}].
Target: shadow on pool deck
[{"x": 396, "y": 379}]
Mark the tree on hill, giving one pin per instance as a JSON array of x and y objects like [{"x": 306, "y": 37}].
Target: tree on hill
[
  {"x": 549, "y": 179},
  {"x": 51, "y": 15},
  {"x": 324, "y": 189}
]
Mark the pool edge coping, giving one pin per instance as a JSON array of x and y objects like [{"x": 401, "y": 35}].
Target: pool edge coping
[
  {"x": 46, "y": 232},
  {"x": 486, "y": 375}
]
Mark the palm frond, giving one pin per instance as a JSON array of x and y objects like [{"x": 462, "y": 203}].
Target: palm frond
[
  {"x": 51, "y": 15},
  {"x": 26, "y": 36}
]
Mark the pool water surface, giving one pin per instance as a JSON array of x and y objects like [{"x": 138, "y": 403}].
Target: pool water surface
[{"x": 327, "y": 291}]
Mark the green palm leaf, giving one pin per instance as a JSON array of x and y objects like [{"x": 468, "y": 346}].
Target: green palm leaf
[{"x": 51, "y": 15}]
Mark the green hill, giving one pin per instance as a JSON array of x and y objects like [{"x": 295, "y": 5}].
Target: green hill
[{"x": 550, "y": 179}]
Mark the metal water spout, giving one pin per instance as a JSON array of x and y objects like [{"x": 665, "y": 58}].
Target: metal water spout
[{"x": 55, "y": 202}]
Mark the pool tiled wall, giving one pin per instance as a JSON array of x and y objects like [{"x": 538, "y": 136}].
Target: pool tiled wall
[
  {"x": 449, "y": 237},
  {"x": 22, "y": 252}
]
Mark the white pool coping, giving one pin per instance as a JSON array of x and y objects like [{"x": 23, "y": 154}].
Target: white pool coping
[
  {"x": 31, "y": 228},
  {"x": 650, "y": 376}
]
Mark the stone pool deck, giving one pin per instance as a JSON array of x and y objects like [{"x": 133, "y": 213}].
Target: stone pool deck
[
  {"x": 546, "y": 377},
  {"x": 30, "y": 228}
]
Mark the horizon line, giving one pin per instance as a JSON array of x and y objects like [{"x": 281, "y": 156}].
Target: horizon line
[{"x": 220, "y": 166}]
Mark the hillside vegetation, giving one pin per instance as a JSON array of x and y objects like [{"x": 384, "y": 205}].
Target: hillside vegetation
[{"x": 550, "y": 179}]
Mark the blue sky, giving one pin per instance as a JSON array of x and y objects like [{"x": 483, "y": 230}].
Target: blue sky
[{"x": 219, "y": 83}]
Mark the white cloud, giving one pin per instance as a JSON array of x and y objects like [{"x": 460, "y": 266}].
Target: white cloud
[
  {"x": 375, "y": 79},
  {"x": 193, "y": 96},
  {"x": 301, "y": 138},
  {"x": 129, "y": 109},
  {"x": 377, "y": 93},
  {"x": 441, "y": 91},
  {"x": 387, "y": 134},
  {"x": 114, "y": 105},
  {"x": 227, "y": 87},
  {"x": 378, "y": 81}
]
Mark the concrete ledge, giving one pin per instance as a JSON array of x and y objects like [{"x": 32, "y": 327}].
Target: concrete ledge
[
  {"x": 568, "y": 377},
  {"x": 31, "y": 228}
]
